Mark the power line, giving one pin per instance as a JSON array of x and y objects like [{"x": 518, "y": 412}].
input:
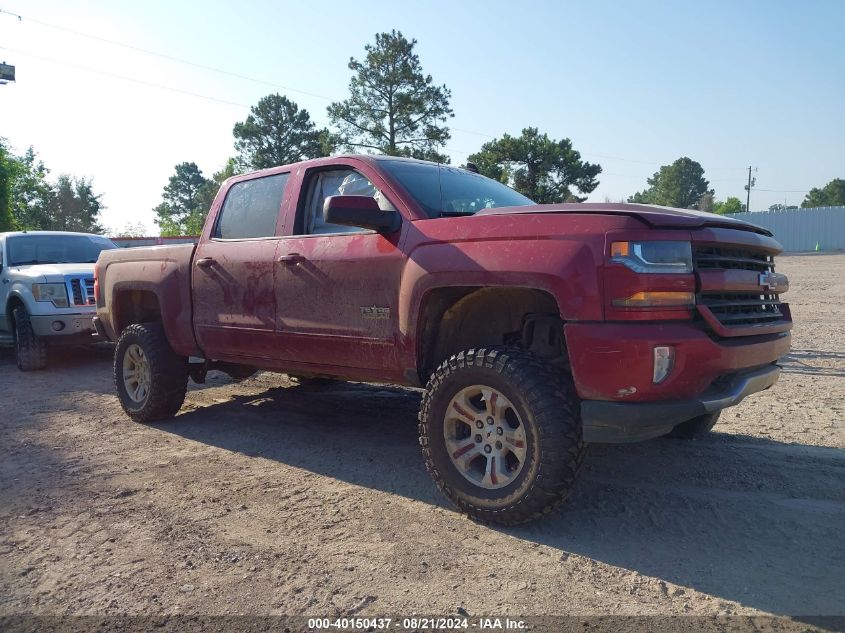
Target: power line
[
  {"x": 165, "y": 56},
  {"x": 179, "y": 60},
  {"x": 125, "y": 78}
]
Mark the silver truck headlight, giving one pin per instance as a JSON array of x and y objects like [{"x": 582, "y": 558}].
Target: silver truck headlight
[
  {"x": 55, "y": 293},
  {"x": 653, "y": 257}
]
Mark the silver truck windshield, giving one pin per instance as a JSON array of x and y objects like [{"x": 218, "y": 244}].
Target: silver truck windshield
[
  {"x": 444, "y": 191},
  {"x": 55, "y": 249}
]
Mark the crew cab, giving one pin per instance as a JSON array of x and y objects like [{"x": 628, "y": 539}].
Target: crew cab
[
  {"x": 532, "y": 328},
  {"x": 47, "y": 291}
]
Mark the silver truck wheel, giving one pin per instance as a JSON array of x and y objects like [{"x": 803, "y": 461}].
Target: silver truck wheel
[
  {"x": 485, "y": 438},
  {"x": 500, "y": 432},
  {"x": 136, "y": 373},
  {"x": 150, "y": 378}
]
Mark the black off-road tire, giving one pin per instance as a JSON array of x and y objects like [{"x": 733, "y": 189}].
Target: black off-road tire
[
  {"x": 31, "y": 350},
  {"x": 696, "y": 428},
  {"x": 168, "y": 374},
  {"x": 547, "y": 405}
]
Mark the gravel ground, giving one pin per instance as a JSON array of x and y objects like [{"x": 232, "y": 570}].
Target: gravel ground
[{"x": 265, "y": 497}]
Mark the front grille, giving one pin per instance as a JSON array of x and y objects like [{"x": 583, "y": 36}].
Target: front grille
[
  {"x": 83, "y": 291},
  {"x": 734, "y": 296},
  {"x": 735, "y": 309},
  {"x": 731, "y": 258}
]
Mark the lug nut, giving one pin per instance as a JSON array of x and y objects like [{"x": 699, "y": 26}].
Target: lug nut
[
  {"x": 498, "y": 445},
  {"x": 488, "y": 448},
  {"x": 479, "y": 424},
  {"x": 478, "y": 439},
  {"x": 499, "y": 431},
  {"x": 490, "y": 421}
]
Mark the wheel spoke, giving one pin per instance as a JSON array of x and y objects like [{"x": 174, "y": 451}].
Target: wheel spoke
[
  {"x": 493, "y": 404},
  {"x": 490, "y": 435},
  {"x": 467, "y": 458},
  {"x": 463, "y": 450}
]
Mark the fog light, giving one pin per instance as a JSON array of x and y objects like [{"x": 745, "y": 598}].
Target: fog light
[
  {"x": 664, "y": 360},
  {"x": 58, "y": 326}
]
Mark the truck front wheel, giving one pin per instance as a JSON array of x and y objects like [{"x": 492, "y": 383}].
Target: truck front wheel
[
  {"x": 30, "y": 350},
  {"x": 151, "y": 379},
  {"x": 501, "y": 434}
]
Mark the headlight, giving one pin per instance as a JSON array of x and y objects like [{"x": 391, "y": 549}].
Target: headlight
[
  {"x": 653, "y": 257},
  {"x": 56, "y": 293}
]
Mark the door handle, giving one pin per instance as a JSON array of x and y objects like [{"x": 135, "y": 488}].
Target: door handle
[
  {"x": 292, "y": 258},
  {"x": 206, "y": 262}
]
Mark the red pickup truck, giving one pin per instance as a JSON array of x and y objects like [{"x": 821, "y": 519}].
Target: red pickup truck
[{"x": 533, "y": 328}]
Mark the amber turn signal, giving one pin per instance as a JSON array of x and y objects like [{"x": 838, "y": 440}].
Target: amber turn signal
[{"x": 656, "y": 299}]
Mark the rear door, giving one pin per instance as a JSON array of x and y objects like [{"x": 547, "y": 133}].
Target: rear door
[
  {"x": 233, "y": 269},
  {"x": 337, "y": 286}
]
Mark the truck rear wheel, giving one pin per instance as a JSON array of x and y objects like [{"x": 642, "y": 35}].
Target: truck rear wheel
[
  {"x": 151, "y": 379},
  {"x": 30, "y": 350},
  {"x": 696, "y": 428},
  {"x": 501, "y": 434}
]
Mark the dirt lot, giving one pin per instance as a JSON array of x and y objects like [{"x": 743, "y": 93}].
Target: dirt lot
[{"x": 268, "y": 498}]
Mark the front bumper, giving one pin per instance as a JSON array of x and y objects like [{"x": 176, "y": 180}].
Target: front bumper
[
  {"x": 61, "y": 327},
  {"x": 621, "y": 422}
]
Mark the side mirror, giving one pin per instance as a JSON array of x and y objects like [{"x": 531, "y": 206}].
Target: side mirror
[{"x": 360, "y": 211}]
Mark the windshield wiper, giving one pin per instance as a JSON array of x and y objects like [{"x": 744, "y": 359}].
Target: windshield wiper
[{"x": 455, "y": 214}]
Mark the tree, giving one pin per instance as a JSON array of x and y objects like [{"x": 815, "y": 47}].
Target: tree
[
  {"x": 781, "y": 207},
  {"x": 537, "y": 166},
  {"x": 831, "y": 195},
  {"x": 9, "y": 168},
  {"x": 130, "y": 229},
  {"x": 75, "y": 206},
  {"x": 393, "y": 108},
  {"x": 32, "y": 197},
  {"x": 276, "y": 133},
  {"x": 731, "y": 205},
  {"x": 185, "y": 201},
  {"x": 681, "y": 185}
]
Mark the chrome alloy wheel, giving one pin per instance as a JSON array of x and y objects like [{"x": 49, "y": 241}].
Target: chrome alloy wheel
[
  {"x": 484, "y": 437},
  {"x": 136, "y": 373}
]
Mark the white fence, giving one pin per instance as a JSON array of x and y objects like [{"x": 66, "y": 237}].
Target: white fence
[{"x": 803, "y": 229}]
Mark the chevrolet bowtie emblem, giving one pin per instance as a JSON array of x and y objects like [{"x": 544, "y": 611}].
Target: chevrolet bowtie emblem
[{"x": 770, "y": 280}]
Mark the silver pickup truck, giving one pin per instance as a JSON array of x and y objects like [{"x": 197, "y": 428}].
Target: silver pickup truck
[{"x": 47, "y": 291}]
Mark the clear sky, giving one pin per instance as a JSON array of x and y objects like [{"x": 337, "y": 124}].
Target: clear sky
[{"x": 633, "y": 84}]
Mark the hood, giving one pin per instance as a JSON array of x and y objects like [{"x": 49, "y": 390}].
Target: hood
[
  {"x": 53, "y": 272},
  {"x": 653, "y": 215}
]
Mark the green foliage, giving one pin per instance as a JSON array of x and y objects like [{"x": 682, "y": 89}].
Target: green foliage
[
  {"x": 276, "y": 133},
  {"x": 781, "y": 207},
  {"x": 185, "y": 201},
  {"x": 9, "y": 168},
  {"x": 393, "y": 108},
  {"x": 831, "y": 195},
  {"x": 29, "y": 202},
  {"x": 537, "y": 166},
  {"x": 77, "y": 207},
  {"x": 32, "y": 197},
  {"x": 731, "y": 205},
  {"x": 681, "y": 185}
]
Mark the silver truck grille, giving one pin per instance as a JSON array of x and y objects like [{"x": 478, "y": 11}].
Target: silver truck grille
[{"x": 82, "y": 290}]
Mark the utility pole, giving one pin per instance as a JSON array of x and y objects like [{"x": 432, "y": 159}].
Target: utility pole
[{"x": 751, "y": 183}]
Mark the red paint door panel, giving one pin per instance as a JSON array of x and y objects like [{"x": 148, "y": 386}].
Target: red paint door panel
[{"x": 337, "y": 299}]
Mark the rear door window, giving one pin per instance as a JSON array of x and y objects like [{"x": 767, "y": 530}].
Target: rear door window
[{"x": 251, "y": 208}]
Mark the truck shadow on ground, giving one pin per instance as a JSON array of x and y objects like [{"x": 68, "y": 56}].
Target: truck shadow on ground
[
  {"x": 65, "y": 357},
  {"x": 814, "y": 363},
  {"x": 737, "y": 517}
]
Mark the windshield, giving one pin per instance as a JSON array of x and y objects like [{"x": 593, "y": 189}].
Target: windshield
[
  {"x": 55, "y": 249},
  {"x": 442, "y": 190}
]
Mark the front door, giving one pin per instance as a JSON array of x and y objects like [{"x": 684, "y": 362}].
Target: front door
[
  {"x": 234, "y": 306},
  {"x": 337, "y": 286}
]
